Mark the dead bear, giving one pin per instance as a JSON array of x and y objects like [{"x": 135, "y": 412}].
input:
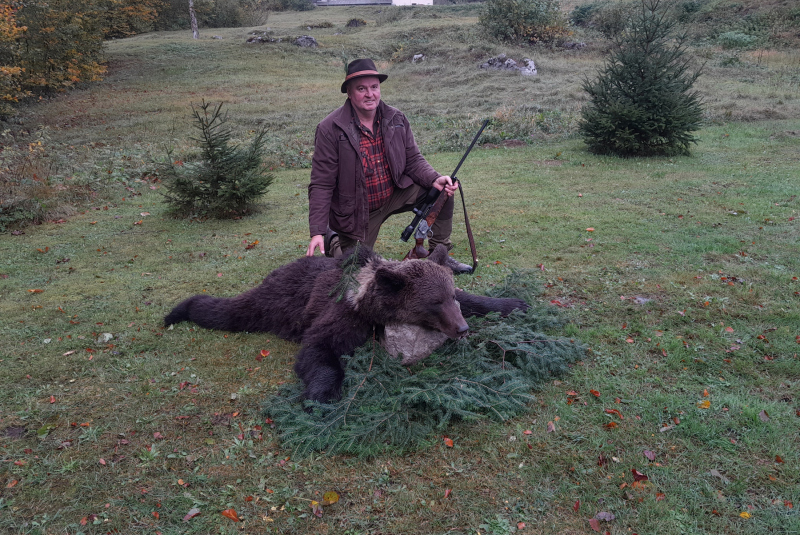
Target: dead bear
[{"x": 311, "y": 302}]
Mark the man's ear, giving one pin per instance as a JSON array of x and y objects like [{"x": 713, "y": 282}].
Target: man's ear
[
  {"x": 439, "y": 255},
  {"x": 389, "y": 280}
]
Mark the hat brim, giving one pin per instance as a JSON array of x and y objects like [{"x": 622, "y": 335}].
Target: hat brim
[{"x": 381, "y": 78}]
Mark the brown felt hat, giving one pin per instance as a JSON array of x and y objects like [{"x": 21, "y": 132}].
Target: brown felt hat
[{"x": 361, "y": 67}]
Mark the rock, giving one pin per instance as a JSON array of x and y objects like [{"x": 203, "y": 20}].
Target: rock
[
  {"x": 306, "y": 41},
  {"x": 263, "y": 37},
  {"x": 529, "y": 69},
  {"x": 414, "y": 343},
  {"x": 504, "y": 63}
]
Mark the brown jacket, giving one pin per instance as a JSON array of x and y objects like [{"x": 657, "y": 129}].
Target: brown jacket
[{"x": 337, "y": 194}]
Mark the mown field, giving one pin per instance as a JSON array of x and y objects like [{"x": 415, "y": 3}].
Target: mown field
[{"x": 681, "y": 275}]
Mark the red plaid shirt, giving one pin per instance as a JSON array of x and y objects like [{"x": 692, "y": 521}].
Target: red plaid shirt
[{"x": 376, "y": 168}]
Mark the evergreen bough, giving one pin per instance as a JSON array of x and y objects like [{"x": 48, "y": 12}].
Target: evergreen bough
[
  {"x": 641, "y": 104},
  {"x": 386, "y": 406},
  {"x": 226, "y": 180}
]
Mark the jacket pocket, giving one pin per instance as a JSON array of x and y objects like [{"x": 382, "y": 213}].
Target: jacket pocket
[{"x": 342, "y": 217}]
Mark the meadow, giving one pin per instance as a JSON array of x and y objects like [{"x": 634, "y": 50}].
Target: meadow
[{"x": 681, "y": 275}]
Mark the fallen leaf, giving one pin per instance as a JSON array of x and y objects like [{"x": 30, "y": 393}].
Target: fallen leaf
[
  {"x": 11, "y": 484},
  {"x": 594, "y": 524},
  {"x": 576, "y": 506},
  {"x": 52, "y": 399},
  {"x": 102, "y": 461},
  {"x": 650, "y": 455},
  {"x": 36, "y": 291},
  {"x": 156, "y": 515},
  {"x": 763, "y": 416},
  {"x": 520, "y": 526},
  {"x": 705, "y": 393},
  {"x": 615, "y": 411},
  {"x": 778, "y": 459},
  {"x": 722, "y": 478},
  {"x": 316, "y": 508},
  {"x": 610, "y": 425},
  {"x": 193, "y": 512},
  {"x": 590, "y": 229},
  {"x": 594, "y": 393},
  {"x": 704, "y": 404},
  {"x": 447, "y": 492},
  {"x": 745, "y": 514},
  {"x": 231, "y": 513},
  {"x": 660, "y": 496},
  {"x": 605, "y": 516},
  {"x": 448, "y": 442},
  {"x": 638, "y": 476},
  {"x": 330, "y": 498},
  {"x": 551, "y": 427}
]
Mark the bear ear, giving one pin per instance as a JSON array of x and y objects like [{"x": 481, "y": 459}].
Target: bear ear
[
  {"x": 439, "y": 255},
  {"x": 389, "y": 280}
]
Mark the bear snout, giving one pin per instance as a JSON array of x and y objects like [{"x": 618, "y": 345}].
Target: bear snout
[{"x": 463, "y": 331}]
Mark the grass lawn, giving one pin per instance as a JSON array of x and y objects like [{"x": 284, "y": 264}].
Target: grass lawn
[{"x": 681, "y": 275}]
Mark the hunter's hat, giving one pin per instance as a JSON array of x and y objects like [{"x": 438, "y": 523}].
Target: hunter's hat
[{"x": 361, "y": 67}]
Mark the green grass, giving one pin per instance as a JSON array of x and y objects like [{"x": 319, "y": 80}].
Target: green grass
[{"x": 687, "y": 284}]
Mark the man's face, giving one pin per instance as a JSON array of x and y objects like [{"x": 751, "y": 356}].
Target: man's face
[{"x": 365, "y": 94}]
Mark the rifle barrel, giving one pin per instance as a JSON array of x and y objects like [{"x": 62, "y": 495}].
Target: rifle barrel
[{"x": 474, "y": 140}]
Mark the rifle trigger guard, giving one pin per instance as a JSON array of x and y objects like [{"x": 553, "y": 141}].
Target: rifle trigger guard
[{"x": 423, "y": 230}]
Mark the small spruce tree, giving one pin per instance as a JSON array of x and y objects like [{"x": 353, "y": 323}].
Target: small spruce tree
[
  {"x": 642, "y": 104},
  {"x": 227, "y": 179}
]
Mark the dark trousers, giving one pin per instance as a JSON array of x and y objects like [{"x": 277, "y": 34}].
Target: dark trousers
[{"x": 404, "y": 200}]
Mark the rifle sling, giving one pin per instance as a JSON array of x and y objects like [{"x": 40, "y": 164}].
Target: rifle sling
[{"x": 470, "y": 237}]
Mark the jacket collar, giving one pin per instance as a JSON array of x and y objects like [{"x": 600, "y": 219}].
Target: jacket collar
[{"x": 343, "y": 118}]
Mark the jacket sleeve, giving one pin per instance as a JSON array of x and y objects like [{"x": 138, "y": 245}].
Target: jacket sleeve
[
  {"x": 417, "y": 167},
  {"x": 324, "y": 171}
]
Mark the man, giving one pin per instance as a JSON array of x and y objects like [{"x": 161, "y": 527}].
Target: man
[{"x": 367, "y": 167}]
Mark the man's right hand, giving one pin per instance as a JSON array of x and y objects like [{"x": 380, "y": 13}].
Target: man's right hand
[{"x": 317, "y": 241}]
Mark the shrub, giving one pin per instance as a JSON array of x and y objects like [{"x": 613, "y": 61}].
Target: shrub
[
  {"x": 729, "y": 40},
  {"x": 532, "y": 21},
  {"x": 226, "y": 181},
  {"x": 641, "y": 103}
]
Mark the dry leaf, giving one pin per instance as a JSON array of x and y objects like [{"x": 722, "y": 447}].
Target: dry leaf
[
  {"x": 330, "y": 497},
  {"x": 705, "y": 404},
  {"x": 551, "y": 427},
  {"x": 230, "y": 513},
  {"x": 763, "y": 416},
  {"x": 650, "y": 455},
  {"x": 193, "y": 512},
  {"x": 448, "y": 442}
]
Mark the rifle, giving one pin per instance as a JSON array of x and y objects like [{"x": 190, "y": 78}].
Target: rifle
[{"x": 426, "y": 213}]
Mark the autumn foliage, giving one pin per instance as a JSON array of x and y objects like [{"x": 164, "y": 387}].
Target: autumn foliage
[
  {"x": 10, "y": 70},
  {"x": 55, "y": 45}
]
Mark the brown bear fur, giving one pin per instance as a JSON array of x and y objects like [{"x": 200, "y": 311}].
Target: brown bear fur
[{"x": 311, "y": 302}]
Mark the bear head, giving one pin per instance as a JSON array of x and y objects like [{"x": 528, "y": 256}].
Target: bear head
[{"x": 413, "y": 292}]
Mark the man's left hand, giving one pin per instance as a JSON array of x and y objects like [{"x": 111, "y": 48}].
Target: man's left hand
[{"x": 445, "y": 183}]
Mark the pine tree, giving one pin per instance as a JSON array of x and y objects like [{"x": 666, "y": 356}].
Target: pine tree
[
  {"x": 226, "y": 181},
  {"x": 641, "y": 104},
  {"x": 388, "y": 407}
]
